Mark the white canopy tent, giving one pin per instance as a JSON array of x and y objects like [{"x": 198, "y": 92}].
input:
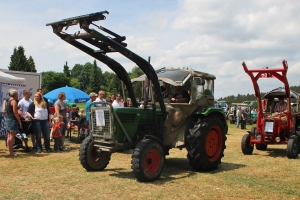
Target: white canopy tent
[
  {"x": 8, "y": 81},
  {"x": 7, "y": 78}
]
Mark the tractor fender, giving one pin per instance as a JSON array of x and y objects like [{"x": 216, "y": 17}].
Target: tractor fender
[{"x": 153, "y": 137}]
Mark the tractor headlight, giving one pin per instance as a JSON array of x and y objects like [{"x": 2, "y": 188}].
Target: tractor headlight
[{"x": 277, "y": 139}]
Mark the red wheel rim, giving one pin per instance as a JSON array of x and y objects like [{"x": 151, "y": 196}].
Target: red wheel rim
[
  {"x": 152, "y": 161},
  {"x": 214, "y": 143}
]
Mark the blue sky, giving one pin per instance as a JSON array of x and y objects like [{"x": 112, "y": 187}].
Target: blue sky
[{"x": 210, "y": 36}]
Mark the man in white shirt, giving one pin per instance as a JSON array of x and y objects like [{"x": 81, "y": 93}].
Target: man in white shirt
[
  {"x": 101, "y": 98},
  {"x": 117, "y": 101},
  {"x": 23, "y": 108}
]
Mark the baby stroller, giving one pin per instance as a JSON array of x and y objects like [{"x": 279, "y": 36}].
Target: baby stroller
[
  {"x": 83, "y": 130},
  {"x": 22, "y": 135}
]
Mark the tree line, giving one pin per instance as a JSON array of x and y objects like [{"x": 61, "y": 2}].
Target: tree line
[
  {"x": 89, "y": 77},
  {"x": 250, "y": 97}
]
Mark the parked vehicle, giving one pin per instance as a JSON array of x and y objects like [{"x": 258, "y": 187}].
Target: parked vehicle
[
  {"x": 232, "y": 115},
  {"x": 273, "y": 128},
  {"x": 223, "y": 105},
  {"x": 153, "y": 127}
]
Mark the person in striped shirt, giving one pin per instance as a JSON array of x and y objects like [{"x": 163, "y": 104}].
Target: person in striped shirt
[{"x": 281, "y": 107}]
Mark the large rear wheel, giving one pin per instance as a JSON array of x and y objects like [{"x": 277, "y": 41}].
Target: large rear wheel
[
  {"x": 292, "y": 149},
  {"x": 91, "y": 158},
  {"x": 247, "y": 149},
  {"x": 147, "y": 160},
  {"x": 205, "y": 144}
]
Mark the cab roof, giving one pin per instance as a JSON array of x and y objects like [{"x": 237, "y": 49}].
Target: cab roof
[
  {"x": 280, "y": 92},
  {"x": 176, "y": 77}
]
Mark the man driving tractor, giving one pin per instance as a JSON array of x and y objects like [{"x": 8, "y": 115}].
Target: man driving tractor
[{"x": 281, "y": 107}]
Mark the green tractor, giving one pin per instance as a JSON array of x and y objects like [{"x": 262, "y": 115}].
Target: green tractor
[{"x": 154, "y": 126}]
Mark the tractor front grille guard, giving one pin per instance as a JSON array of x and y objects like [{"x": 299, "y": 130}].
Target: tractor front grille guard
[{"x": 101, "y": 126}]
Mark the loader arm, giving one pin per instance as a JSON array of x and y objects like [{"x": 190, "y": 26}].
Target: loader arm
[
  {"x": 279, "y": 73},
  {"x": 106, "y": 44}
]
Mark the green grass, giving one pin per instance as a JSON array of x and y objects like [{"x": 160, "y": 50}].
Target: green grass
[{"x": 263, "y": 175}]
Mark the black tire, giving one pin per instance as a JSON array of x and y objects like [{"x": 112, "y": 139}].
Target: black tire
[
  {"x": 206, "y": 143},
  {"x": 292, "y": 149},
  {"x": 147, "y": 160},
  {"x": 261, "y": 147},
  {"x": 247, "y": 149},
  {"x": 90, "y": 158}
]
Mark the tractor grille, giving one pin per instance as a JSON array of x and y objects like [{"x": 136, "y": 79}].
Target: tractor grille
[
  {"x": 101, "y": 123},
  {"x": 146, "y": 121},
  {"x": 126, "y": 118}
]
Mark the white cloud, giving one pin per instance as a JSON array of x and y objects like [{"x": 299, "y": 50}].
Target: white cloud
[{"x": 210, "y": 36}]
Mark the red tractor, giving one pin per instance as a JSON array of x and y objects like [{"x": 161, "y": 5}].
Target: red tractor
[{"x": 273, "y": 127}]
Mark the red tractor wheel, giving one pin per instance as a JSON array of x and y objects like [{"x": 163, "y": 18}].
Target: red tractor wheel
[
  {"x": 147, "y": 160},
  {"x": 205, "y": 144}
]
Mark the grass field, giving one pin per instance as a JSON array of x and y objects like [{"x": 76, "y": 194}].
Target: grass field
[{"x": 263, "y": 175}]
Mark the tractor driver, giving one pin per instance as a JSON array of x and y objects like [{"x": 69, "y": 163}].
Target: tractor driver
[
  {"x": 180, "y": 96},
  {"x": 281, "y": 107},
  {"x": 280, "y": 110}
]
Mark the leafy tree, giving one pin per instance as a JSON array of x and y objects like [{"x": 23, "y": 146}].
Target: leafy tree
[
  {"x": 137, "y": 87},
  {"x": 84, "y": 77},
  {"x": 74, "y": 83},
  {"x": 31, "y": 65},
  {"x": 113, "y": 83},
  {"x": 52, "y": 80},
  {"x": 18, "y": 60},
  {"x": 76, "y": 70},
  {"x": 135, "y": 72},
  {"x": 94, "y": 80},
  {"x": 67, "y": 70}
]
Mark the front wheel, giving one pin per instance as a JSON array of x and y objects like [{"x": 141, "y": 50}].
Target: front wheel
[
  {"x": 247, "y": 148},
  {"x": 292, "y": 149},
  {"x": 147, "y": 160},
  {"x": 205, "y": 144},
  {"x": 91, "y": 158}
]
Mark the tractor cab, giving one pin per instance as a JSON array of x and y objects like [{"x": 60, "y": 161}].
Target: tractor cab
[{"x": 274, "y": 126}]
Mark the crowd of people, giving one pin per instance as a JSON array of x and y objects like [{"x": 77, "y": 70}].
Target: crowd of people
[
  {"x": 53, "y": 127},
  {"x": 47, "y": 125}
]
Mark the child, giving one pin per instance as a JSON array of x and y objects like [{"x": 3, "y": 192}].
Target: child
[
  {"x": 81, "y": 113},
  {"x": 58, "y": 123}
]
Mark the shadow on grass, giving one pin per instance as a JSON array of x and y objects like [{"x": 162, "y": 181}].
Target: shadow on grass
[
  {"x": 174, "y": 169},
  {"x": 276, "y": 153}
]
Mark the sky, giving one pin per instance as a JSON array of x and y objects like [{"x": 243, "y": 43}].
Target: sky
[{"x": 203, "y": 35}]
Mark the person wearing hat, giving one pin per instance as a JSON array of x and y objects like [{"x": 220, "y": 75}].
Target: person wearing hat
[
  {"x": 93, "y": 97},
  {"x": 280, "y": 110},
  {"x": 281, "y": 107}
]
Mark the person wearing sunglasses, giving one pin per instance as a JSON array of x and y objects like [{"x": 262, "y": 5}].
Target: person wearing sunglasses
[{"x": 117, "y": 102}]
